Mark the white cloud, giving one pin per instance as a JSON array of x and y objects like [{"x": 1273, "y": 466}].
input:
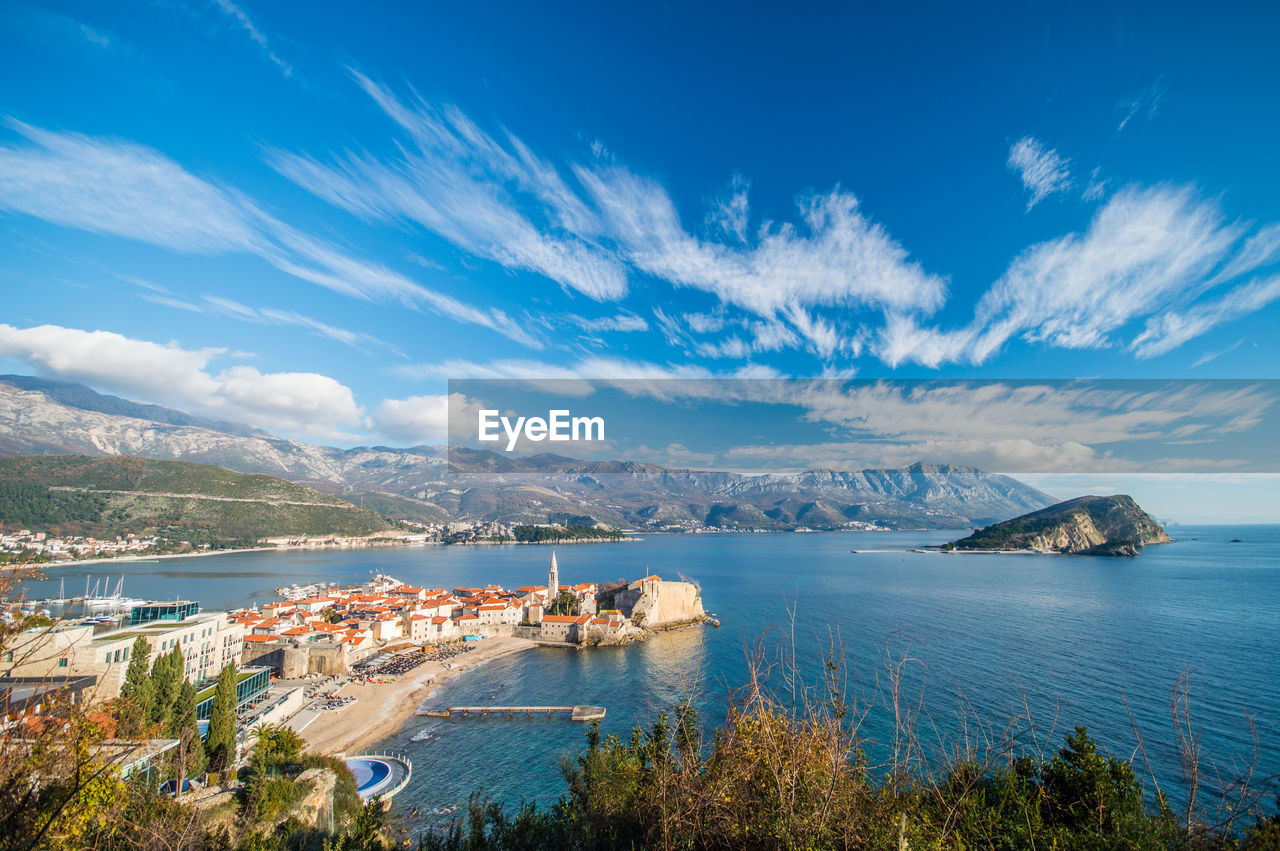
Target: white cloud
[
  {"x": 415, "y": 420},
  {"x": 585, "y": 368},
  {"x": 1147, "y": 102},
  {"x": 729, "y": 213},
  {"x": 1147, "y": 252},
  {"x": 95, "y": 37},
  {"x": 463, "y": 368},
  {"x": 842, "y": 260},
  {"x": 705, "y": 323},
  {"x": 245, "y": 23},
  {"x": 902, "y": 339},
  {"x": 1217, "y": 353},
  {"x": 118, "y": 188},
  {"x": 730, "y": 347},
  {"x": 295, "y": 402},
  {"x": 1043, "y": 170},
  {"x": 497, "y": 200},
  {"x": 271, "y": 316},
  {"x": 1143, "y": 250},
  {"x": 772, "y": 336},
  {"x": 623, "y": 322},
  {"x": 1097, "y": 186},
  {"x": 1168, "y": 330},
  {"x": 461, "y": 183},
  {"x": 1260, "y": 250}
]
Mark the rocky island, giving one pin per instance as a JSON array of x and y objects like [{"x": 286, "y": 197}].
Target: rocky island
[{"x": 1086, "y": 525}]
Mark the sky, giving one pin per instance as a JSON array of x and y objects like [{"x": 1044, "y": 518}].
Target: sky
[{"x": 308, "y": 217}]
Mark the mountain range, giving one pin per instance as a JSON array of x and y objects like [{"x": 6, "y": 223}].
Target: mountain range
[{"x": 39, "y": 416}]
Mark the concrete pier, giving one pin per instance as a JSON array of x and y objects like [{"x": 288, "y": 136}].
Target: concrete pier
[{"x": 581, "y": 712}]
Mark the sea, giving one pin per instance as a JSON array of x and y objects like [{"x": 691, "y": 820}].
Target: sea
[{"x": 985, "y": 645}]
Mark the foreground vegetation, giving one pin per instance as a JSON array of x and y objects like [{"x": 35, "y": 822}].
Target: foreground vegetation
[
  {"x": 772, "y": 782},
  {"x": 797, "y": 776}
]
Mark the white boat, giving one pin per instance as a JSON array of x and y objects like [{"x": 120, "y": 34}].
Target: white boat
[
  {"x": 301, "y": 592},
  {"x": 115, "y": 602},
  {"x": 62, "y": 593}
]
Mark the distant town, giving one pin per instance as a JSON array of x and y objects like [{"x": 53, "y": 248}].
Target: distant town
[{"x": 26, "y": 546}]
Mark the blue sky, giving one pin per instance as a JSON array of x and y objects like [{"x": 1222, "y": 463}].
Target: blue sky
[{"x": 308, "y": 218}]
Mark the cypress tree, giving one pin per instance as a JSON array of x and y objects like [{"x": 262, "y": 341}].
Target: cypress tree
[
  {"x": 220, "y": 743},
  {"x": 166, "y": 679},
  {"x": 184, "y": 727},
  {"x": 135, "y": 692}
]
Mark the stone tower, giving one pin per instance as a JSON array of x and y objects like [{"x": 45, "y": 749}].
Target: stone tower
[{"x": 553, "y": 579}]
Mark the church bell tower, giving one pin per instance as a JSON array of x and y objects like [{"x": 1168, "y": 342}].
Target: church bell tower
[{"x": 553, "y": 580}]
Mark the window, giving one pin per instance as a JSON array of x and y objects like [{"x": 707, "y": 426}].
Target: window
[{"x": 62, "y": 663}]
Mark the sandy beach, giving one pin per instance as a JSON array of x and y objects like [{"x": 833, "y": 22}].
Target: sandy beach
[{"x": 380, "y": 709}]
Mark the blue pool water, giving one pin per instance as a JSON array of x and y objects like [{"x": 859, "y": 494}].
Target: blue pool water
[{"x": 371, "y": 775}]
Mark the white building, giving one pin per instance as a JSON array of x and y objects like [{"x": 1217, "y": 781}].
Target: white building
[{"x": 208, "y": 640}]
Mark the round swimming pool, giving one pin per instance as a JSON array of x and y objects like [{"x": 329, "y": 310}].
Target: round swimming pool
[{"x": 372, "y": 775}]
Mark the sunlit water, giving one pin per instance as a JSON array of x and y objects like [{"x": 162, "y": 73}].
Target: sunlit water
[{"x": 1072, "y": 638}]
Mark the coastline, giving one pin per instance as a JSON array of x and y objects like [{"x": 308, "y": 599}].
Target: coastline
[
  {"x": 132, "y": 559},
  {"x": 278, "y": 548},
  {"x": 381, "y": 709},
  {"x": 47, "y": 565}
]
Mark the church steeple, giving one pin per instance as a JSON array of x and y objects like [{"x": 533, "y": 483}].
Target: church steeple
[{"x": 553, "y": 579}]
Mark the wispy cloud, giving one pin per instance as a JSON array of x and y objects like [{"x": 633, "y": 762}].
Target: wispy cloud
[
  {"x": 114, "y": 187},
  {"x": 242, "y": 20},
  {"x": 1146, "y": 103},
  {"x": 272, "y": 316},
  {"x": 95, "y": 37},
  {"x": 1096, "y": 187},
  {"x": 1168, "y": 330},
  {"x": 840, "y": 259},
  {"x": 624, "y": 322},
  {"x": 1043, "y": 170},
  {"x": 1208, "y": 357},
  {"x": 1149, "y": 254},
  {"x": 479, "y": 193},
  {"x": 496, "y": 199},
  {"x": 729, "y": 212},
  {"x": 587, "y": 368}
]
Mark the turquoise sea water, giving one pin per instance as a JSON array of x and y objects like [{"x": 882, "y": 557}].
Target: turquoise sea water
[{"x": 1072, "y": 638}]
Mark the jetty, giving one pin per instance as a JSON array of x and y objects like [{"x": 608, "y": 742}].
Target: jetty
[{"x": 581, "y": 712}]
